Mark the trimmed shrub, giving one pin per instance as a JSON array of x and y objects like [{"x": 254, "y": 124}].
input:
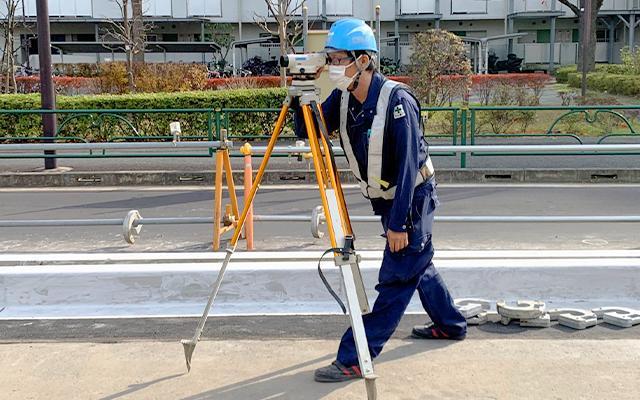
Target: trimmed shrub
[
  {"x": 484, "y": 86},
  {"x": 562, "y": 73},
  {"x": 250, "y": 82},
  {"x": 628, "y": 85},
  {"x": 106, "y": 127},
  {"x": 84, "y": 70},
  {"x": 65, "y": 85}
]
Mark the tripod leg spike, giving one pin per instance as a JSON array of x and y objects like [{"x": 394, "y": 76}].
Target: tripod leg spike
[
  {"x": 372, "y": 392},
  {"x": 189, "y": 346}
]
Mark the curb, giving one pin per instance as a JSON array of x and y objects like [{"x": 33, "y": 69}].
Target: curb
[{"x": 177, "y": 178}]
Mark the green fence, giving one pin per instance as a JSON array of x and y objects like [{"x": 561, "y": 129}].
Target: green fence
[{"x": 442, "y": 125}]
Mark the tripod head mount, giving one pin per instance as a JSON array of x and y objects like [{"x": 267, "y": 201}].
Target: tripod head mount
[{"x": 306, "y": 91}]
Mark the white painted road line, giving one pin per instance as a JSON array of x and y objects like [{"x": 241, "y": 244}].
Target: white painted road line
[
  {"x": 310, "y": 266},
  {"x": 347, "y": 187},
  {"x": 40, "y": 258}
]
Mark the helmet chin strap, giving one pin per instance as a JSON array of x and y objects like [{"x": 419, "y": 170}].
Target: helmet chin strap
[{"x": 356, "y": 80}]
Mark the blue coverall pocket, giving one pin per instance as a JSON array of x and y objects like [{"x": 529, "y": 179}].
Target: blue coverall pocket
[{"x": 422, "y": 214}]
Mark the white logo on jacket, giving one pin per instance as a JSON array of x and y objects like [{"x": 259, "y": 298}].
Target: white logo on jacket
[{"x": 398, "y": 111}]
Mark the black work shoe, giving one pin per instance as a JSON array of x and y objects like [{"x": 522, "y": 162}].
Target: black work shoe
[
  {"x": 337, "y": 372},
  {"x": 433, "y": 332}
]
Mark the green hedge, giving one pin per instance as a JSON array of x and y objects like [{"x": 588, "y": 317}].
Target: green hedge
[
  {"x": 148, "y": 124},
  {"x": 562, "y": 73},
  {"x": 628, "y": 85}
]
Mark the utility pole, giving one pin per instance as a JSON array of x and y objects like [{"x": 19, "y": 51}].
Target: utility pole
[
  {"x": 586, "y": 39},
  {"x": 47, "y": 91}
]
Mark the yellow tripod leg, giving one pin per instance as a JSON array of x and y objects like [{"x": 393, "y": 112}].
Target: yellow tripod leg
[
  {"x": 189, "y": 345},
  {"x": 231, "y": 187},
  {"x": 217, "y": 202},
  {"x": 341, "y": 206}
]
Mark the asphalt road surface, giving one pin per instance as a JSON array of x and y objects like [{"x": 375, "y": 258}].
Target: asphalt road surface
[{"x": 197, "y": 201}]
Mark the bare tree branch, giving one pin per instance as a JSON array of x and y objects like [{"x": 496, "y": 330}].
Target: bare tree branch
[
  {"x": 130, "y": 31},
  {"x": 8, "y": 57},
  {"x": 289, "y": 30},
  {"x": 571, "y": 6}
]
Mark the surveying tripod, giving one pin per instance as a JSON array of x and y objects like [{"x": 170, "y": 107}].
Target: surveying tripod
[{"x": 337, "y": 217}]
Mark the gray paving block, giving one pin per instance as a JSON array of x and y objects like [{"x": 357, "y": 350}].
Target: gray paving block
[
  {"x": 621, "y": 310},
  {"x": 578, "y": 321},
  {"x": 623, "y": 320},
  {"x": 524, "y": 309},
  {"x": 540, "y": 322},
  {"x": 556, "y": 312}
]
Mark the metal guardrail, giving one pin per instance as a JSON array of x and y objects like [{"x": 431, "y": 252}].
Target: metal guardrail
[
  {"x": 465, "y": 124},
  {"x": 110, "y": 146},
  {"x": 133, "y": 222},
  {"x": 258, "y": 150}
]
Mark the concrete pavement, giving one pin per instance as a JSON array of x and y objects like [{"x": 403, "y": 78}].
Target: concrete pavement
[{"x": 277, "y": 369}]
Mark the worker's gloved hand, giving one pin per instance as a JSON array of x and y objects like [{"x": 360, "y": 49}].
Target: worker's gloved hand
[{"x": 397, "y": 240}]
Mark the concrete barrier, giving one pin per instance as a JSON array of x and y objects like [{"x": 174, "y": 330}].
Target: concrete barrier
[{"x": 170, "y": 178}]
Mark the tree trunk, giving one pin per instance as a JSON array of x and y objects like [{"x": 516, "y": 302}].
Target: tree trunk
[
  {"x": 128, "y": 44},
  {"x": 8, "y": 59},
  {"x": 137, "y": 31},
  {"x": 282, "y": 33},
  {"x": 591, "y": 49}
]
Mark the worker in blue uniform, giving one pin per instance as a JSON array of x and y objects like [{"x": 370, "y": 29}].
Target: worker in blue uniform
[{"x": 380, "y": 131}]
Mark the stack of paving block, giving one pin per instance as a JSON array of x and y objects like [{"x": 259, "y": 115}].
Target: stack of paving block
[{"x": 533, "y": 314}]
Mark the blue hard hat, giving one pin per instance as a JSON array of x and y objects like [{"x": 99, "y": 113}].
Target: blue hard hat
[{"x": 351, "y": 34}]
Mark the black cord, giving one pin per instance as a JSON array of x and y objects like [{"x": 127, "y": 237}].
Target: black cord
[{"x": 326, "y": 283}]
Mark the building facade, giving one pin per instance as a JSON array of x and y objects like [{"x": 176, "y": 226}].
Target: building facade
[{"x": 179, "y": 27}]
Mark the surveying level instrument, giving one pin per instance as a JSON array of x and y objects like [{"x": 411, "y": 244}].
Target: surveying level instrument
[{"x": 303, "y": 89}]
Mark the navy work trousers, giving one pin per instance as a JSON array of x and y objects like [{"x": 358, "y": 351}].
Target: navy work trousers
[{"x": 401, "y": 274}]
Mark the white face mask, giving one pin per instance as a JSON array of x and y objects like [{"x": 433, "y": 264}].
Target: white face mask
[{"x": 337, "y": 75}]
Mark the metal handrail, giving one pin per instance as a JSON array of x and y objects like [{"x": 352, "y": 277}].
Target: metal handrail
[
  {"x": 25, "y": 223},
  {"x": 525, "y": 148},
  {"x": 132, "y": 224},
  {"x": 111, "y": 146}
]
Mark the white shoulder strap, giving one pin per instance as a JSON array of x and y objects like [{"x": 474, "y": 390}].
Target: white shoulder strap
[
  {"x": 376, "y": 139},
  {"x": 346, "y": 143}
]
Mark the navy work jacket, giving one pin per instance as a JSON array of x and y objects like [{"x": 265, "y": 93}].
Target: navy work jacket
[{"x": 404, "y": 147}]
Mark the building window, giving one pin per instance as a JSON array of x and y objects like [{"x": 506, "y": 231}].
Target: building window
[
  {"x": 543, "y": 36},
  {"x": 207, "y": 37},
  {"x": 602, "y": 36},
  {"x": 405, "y": 38},
  {"x": 468, "y": 6},
  {"x": 157, "y": 8},
  {"x": 60, "y": 8},
  {"x": 204, "y": 8},
  {"x": 339, "y": 7},
  {"x": 169, "y": 37},
  {"x": 84, "y": 37},
  {"x": 563, "y": 36},
  {"x": 417, "y": 7}
]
